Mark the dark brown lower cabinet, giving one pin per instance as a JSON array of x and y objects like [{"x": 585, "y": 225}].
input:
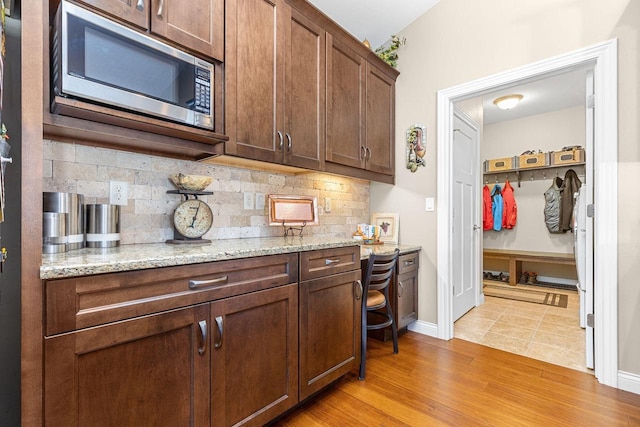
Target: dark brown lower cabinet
[
  {"x": 329, "y": 329},
  {"x": 148, "y": 371},
  {"x": 234, "y": 342},
  {"x": 254, "y": 356},
  {"x": 403, "y": 294}
]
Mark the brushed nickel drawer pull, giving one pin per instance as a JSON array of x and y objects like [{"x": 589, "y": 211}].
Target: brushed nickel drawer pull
[
  {"x": 160, "y": 8},
  {"x": 401, "y": 287},
  {"x": 220, "y": 324},
  {"x": 281, "y": 139},
  {"x": 331, "y": 261},
  {"x": 359, "y": 290},
  {"x": 409, "y": 262},
  {"x": 195, "y": 284},
  {"x": 140, "y": 5},
  {"x": 203, "y": 335},
  {"x": 288, "y": 141}
]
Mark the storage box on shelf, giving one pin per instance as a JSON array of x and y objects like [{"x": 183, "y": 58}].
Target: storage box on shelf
[
  {"x": 502, "y": 164},
  {"x": 533, "y": 160},
  {"x": 567, "y": 157}
]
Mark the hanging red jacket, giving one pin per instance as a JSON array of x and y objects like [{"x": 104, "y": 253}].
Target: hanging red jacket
[
  {"x": 510, "y": 211},
  {"x": 487, "y": 215}
]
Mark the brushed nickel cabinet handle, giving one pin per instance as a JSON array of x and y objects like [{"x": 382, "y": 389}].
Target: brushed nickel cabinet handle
[
  {"x": 288, "y": 141},
  {"x": 160, "y": 7},
  {"x": 220, "y": 324},
  {"x": 140, "y": 5},
  {"x": 359, "y": 290},
  {"x": 203, "y": 336},
  {"x": 195, "y": 284},
  {"x": 400, "y": 287},
  {"x": 363, "y": 152},
  {"x": 281, "y": 140},
  {"x": 368, "y": 151},
  {"x": 409, "y": 262},
  {"x": 331, "y": 261}
]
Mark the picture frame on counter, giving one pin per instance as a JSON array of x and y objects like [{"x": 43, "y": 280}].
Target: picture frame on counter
[{"x": 389, "y": 223}]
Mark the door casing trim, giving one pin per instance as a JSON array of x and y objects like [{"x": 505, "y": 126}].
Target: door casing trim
[{"x": 604, "y": 57}]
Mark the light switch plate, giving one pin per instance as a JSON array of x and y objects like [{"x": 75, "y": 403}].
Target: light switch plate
[
  {"x": 259, "y": 200},
  {"x": 430, "y": 204},
  {"x": 248, "y": 200}
]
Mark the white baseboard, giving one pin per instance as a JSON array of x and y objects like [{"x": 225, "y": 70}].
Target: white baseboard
[
  {"x": 629, "y": 382},
  {"x": 424, "y": 328}
]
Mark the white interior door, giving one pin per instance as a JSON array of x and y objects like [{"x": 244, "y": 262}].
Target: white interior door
[
  {"x": 465, "y": 250},
  {"x": 587, "y": 287}
]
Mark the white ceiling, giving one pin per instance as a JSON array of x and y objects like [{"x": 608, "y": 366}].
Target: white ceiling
[
  {"x": 541, "y": 96},
  {"x": 374, "y": 20},
  {"x": 377, "y": 20}
]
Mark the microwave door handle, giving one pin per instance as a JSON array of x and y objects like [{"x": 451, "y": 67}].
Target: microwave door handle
[
  {"x": 140, "y": 5},
  {"x": 160, "y": 7}
]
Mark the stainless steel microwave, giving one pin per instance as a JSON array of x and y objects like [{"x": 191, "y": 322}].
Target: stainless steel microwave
[{"x": 98, "y": 60}]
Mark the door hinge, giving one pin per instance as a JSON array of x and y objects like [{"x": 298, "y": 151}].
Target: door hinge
[
  {"x": 590, "y": 320},
  {"x": 591, "y": 211},
  {"x": 591, "y": 101}
]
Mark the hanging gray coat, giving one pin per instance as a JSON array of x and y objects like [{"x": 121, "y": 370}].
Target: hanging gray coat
[
  {"x": 569, "y": 188},
  {"x": 552, "y": 201}
]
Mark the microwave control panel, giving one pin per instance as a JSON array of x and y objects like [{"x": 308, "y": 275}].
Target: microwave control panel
[{"x": 203, "y": 91}]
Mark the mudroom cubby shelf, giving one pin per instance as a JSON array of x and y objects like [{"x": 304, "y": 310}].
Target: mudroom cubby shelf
[{"x": 533, "y": 174}]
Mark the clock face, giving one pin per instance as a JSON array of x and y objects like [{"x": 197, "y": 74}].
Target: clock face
[{"x": 193, "y": 218}]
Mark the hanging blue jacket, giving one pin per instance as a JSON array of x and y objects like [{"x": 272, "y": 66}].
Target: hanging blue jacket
[{"x": 497, "y": 205}]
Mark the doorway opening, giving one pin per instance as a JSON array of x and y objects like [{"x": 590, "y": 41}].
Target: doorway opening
[{"x": 603, "y": 161}]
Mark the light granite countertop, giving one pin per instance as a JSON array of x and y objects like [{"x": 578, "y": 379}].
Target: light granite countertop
[{"x": 90, "y": 261}]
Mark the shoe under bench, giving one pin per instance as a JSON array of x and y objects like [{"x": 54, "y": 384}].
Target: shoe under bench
[{"x": 516, "y": 258}]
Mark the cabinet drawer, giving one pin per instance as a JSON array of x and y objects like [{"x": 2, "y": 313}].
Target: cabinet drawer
[
  {"x": 324, "y": 262},
  {"x": 82, "y": 302},
  {"x": 408, "y": 262}
]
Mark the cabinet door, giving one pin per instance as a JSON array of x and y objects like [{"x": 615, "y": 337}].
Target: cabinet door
[
  {"x": 380, "y": 121},
  {"x": 149, "y": 371},
  {"x": 254, "y": 356},
  {"x": 406, "y": 289},
  {"x": 254, "y": 78},
  {"x": 133, "y": 11},
  {"x": 329, "y": 329},
  {"x": 305, "y": 93},
  {"x": 407, "y": 302},
  {"x": 196, "y": 24},
  {"x": 345, "y": 100}
]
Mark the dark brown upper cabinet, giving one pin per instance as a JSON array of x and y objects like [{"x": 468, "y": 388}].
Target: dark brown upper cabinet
[
  {"x": 197, "y": 24},
  {"x": 274, "y": 84}
]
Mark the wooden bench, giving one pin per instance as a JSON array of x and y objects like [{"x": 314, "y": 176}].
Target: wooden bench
[{"x": 516, "y": 258}]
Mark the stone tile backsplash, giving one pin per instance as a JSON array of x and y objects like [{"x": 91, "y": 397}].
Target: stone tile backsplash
[{"x": 147, "y": 218}]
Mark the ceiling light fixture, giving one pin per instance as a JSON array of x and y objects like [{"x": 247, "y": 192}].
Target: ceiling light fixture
[{"x": 507, "y": 102}]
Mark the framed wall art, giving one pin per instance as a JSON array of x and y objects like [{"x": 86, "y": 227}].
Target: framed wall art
[{"x": 388, "y": 224}]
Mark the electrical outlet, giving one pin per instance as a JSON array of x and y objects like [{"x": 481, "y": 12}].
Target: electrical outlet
[
  {"x": 118, "y": 192},
  {"x": 248, "y": 200},
  {"x": 260, "y": 201},
  {"x": 327, "y": 205}
]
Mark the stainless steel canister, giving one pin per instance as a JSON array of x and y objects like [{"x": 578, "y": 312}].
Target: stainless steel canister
[
  {"x": 73, "y": 205},
  {"x": 54, "y": 238},
  {"x": 103, "y": 225}
]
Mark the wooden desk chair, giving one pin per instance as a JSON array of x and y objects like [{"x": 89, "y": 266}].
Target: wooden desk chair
[{"x": 376, "y": 305}]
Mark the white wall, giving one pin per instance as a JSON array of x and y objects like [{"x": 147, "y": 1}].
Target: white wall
[
  {"x": 462, "y": 40},
  {"x": 547, "y": 132}
]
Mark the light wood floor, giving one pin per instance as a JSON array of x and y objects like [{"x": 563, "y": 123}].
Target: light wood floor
[{"x": 433, "y": 382}]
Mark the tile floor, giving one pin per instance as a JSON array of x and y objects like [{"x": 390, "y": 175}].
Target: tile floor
[{"x": 538, "y": 331}]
